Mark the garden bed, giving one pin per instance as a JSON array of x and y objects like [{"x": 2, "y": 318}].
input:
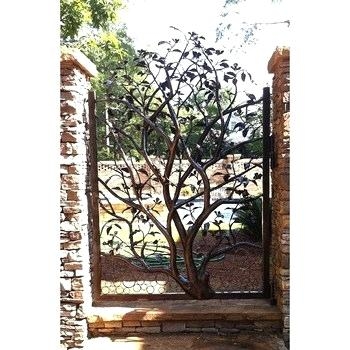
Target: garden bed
[{"x": 241, "y": 271}]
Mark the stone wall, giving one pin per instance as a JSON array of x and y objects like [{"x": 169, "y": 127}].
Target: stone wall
[
  {"x": 279, "y": 66},
  {"x": 214, "y": 316},
  {"x": 76, "y": 71},
  {"x": 100, "y": 327}
]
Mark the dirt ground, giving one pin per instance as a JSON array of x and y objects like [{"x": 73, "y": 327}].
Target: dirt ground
[
  {"x": 189, "y": 342},
  {"x": 241, "y": 271}
]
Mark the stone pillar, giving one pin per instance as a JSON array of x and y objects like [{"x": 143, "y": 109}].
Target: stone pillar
[
  {"x": 76, "y": 71},
  {"x": 279, "y": 66}
]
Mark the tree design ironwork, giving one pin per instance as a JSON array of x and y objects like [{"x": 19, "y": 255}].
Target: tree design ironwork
[{"x": 174, "y": 131}]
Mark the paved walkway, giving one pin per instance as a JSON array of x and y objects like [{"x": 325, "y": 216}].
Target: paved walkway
[{"x": 188, "y": 342}]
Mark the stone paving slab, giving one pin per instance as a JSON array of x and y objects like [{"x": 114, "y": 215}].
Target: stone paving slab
[
  {"x": 186, "y": 310},
  {"x": 188, "y": 342}
]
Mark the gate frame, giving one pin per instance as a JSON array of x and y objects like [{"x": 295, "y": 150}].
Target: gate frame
[{"x": 92, "y": 191}]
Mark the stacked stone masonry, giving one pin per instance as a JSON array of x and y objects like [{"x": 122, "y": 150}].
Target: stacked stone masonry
[
  {"x": 279, "y": 66},
  {"x": 191, "y": 316},
  {"x": 134, "y": 328},
  {"x": 74, "y": 252}
]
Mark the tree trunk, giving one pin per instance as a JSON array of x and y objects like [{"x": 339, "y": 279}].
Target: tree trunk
[{"x": 200, "y": 288}]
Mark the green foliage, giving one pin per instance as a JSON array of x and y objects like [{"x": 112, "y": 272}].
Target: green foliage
[
  {"x": 253, "y": 149},
  {"x": 106, "y": 51},
  {"x": 92, "y": 27},
  {"x": 98, "y": 14},
  {"x": 250, "y": 216},
  {"x": 73, "y": 15}
]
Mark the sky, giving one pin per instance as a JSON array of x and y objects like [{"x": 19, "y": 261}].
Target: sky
[{"x": 148, "y": 22}]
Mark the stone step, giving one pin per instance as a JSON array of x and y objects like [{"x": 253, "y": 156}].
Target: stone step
[{"x": 208, "y": 316}]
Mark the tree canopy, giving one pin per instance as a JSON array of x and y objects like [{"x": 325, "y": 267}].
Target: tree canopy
[
  {"x": 93, "y": 27},
  {"x": 97, "y": 14}
]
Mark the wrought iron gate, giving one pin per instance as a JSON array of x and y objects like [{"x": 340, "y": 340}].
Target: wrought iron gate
[
  {"x": 180, "y": 177},
  {"x": 244, "y": 274}
]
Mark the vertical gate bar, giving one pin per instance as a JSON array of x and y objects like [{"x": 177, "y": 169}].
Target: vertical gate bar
[
  {"x": 96, "y": 264},
  {"x": 266, "y": 192}
]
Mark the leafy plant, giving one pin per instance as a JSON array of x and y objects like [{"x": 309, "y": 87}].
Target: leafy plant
[
  {"x": 250, "y": 216},
  {"x": 97, "y": 14},
  {"x": 92, "y": 26}
]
